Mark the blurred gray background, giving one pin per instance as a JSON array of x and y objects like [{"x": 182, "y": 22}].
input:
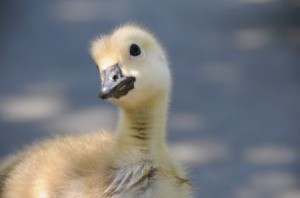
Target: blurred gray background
[{"x": 234, "y": 117}]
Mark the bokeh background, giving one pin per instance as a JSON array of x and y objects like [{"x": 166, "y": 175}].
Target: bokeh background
[{"x": 234, "y": 117}]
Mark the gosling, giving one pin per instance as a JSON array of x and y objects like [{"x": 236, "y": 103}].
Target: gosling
[{"x": 133, "y": 162}]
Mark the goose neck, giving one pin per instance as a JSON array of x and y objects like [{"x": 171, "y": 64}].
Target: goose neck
[{"x": 143, "y": 128}]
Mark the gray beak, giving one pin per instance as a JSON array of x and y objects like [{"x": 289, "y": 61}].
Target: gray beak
[{"x": 115, "y": 84}]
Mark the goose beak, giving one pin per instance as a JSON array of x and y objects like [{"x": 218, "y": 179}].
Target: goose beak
[{"x": 115, "y": 84}]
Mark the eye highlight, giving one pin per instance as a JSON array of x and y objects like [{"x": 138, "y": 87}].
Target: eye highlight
[{"x": 134, "y": 50}]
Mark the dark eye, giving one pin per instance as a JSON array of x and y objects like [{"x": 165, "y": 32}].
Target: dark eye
[{"x": 134, "y": 50}]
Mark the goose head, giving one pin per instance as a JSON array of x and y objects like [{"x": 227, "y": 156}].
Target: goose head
[{"x": 133, "y": 66}]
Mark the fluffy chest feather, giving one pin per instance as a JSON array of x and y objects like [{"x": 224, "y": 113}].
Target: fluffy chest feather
[
  {"x": 143, "y": 180},
  {"x": 132, "y": 179}
]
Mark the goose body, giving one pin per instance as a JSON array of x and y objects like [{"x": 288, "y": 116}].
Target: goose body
[{"x": 134, "y": 161}]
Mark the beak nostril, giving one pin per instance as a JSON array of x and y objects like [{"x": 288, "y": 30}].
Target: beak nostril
[{"x": 115, "y": 77}]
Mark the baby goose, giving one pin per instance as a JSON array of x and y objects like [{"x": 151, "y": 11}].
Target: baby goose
[{"x": 133, "y": 162}]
